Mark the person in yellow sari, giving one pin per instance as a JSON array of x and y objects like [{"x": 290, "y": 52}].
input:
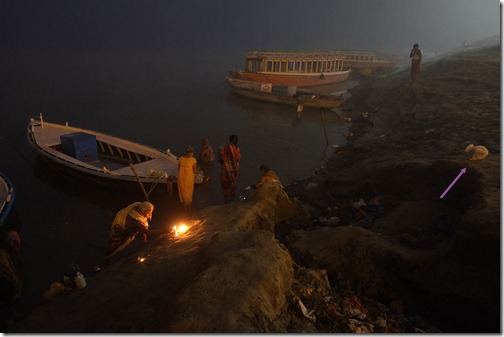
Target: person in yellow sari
[{"x": 186, "y": 169}]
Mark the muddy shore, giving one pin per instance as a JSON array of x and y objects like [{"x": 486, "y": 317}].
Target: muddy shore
[{"x": 366, "y": 243}]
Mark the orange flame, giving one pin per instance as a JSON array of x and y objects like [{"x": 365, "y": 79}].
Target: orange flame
[{"x": 181, "y": 229}]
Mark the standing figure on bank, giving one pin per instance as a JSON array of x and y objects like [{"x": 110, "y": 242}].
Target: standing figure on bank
[
  {"x": 416, "y": 59},
  {"x": 186, "y": 169},
  {"x": 129, "y": 223},
  {"x": 206, "y": 152},
  {"x": 267, "y": 175},
  {"x": 230, "y": 159}
]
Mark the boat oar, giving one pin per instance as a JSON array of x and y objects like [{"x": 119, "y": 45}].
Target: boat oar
[
  {"x": 140, "y": 182},
  {"x": 323, "y": 123}
]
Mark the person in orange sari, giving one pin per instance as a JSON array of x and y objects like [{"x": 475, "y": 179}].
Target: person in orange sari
[
  {"x": 185, "y": 181},
  {"x": 416, "y": 59},
  {"x": 230, "y": 159}
]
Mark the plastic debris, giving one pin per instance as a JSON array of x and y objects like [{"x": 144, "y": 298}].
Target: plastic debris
[
  {"x": 381, "y": 322},
  {"x": 360, "y": 327},
  {"x": 359, "y": 203},
  {"x": 308, "y": 314},
  {"x": 56, "y": 289}
]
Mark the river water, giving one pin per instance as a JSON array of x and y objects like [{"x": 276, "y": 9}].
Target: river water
[{"x": 162, "y": 100}]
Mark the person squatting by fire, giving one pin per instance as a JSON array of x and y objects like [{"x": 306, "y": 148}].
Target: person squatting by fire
[{"x": 128, "y": 224}]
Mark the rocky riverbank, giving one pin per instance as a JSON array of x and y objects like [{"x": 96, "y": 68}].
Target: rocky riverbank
[{"x": 366, "y": 245}]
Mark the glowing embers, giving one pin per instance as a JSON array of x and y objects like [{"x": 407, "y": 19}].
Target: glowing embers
[{"x": 180, "y": 229}]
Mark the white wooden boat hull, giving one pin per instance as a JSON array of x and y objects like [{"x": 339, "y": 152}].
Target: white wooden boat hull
[{"x": 114, "y": 156}]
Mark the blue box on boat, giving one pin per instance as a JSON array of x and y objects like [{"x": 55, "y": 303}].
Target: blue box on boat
[{"x": 80, "y": 145}]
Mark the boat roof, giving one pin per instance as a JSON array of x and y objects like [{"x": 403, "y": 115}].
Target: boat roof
[{"x": 293, "y": 54}]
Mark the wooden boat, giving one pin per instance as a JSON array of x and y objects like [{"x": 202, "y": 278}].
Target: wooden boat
[
  {"x": 289, "y": 95},
  {"x": 300, "y": 69},
  {"x": 366, "y": 62},
  {"x": 6, "y": 198},
  {"x": 101, "y": 157}
]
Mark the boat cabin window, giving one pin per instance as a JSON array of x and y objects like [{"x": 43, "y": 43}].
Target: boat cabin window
[
  {"x": 269, "y": 66},
  {"x": 301, "y": 63}
]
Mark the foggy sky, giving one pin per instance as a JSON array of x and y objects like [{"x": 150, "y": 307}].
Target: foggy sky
[{"x": 225, "y": 25}]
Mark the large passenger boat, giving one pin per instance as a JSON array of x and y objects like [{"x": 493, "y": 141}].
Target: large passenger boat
[{"x": 300, "y": 69}]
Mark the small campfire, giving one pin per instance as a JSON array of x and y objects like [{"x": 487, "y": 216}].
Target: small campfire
[{"x": 180, "y": 229}]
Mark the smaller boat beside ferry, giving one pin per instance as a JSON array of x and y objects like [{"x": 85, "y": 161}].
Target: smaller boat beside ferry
[
  {"x": 366, "y": 63},
  {"x": 288, "y": 95},
  {"x": 300, "y": 69}
]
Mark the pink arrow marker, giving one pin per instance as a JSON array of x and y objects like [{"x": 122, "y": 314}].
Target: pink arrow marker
[{"x": 453, "y": 182}]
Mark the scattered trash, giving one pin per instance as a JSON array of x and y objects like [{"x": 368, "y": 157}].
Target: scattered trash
[
  {"x": 241, "y": 198},
  {"x": 310, "y": 185},
  {"x": 381, "y": 322},
  {"x": 348, "y": 134},
  {"x": 359, "y": 203},
  {"x": 319, "y": 170},
  {"x": 308, "y": 314},
  {"x": 80, "y": 281},
  {"x": 360, "y": 327},
  {"x": 56, "y": 289},
  {"x": 322, "y": 219}
]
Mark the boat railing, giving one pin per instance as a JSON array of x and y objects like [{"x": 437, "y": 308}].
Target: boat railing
[{"x": 294, "y": 54}]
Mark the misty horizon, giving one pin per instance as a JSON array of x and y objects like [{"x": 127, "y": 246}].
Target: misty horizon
[{"x": 197, "y": 26}]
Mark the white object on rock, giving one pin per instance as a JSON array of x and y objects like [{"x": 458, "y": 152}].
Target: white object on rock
[
  {"x": 80, "y": 281},
  {"x": 308, "y": 314},
  {"x": 478, "y": 152},
  {"x": 359, "y": 203}
]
